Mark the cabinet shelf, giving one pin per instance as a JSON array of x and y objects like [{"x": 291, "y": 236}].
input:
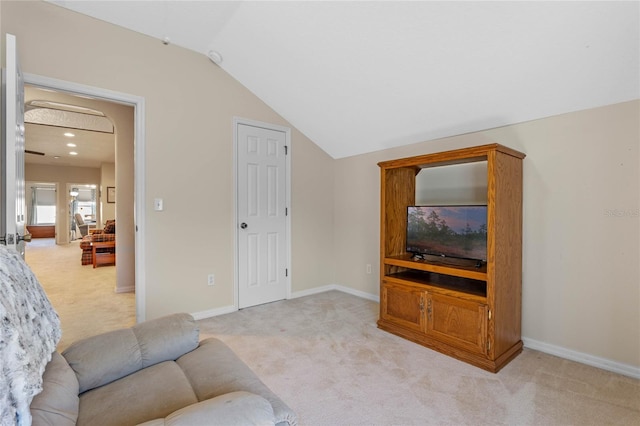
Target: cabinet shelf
[
  {"x": 450, "y": 266},
  {"x": 464, "y": 288}
]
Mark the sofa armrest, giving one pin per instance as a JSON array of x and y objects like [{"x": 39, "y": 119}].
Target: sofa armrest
[
  {"x": 235, "y": 408},
  {"x": 214, "y": 370},
  {"x": 97, "y": 238},
  {"x": 58, "y": 403},
  {"x": 101, "y": 359}
]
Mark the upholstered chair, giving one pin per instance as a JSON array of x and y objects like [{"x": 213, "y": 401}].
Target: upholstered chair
[{"x": 83, "y": 227}]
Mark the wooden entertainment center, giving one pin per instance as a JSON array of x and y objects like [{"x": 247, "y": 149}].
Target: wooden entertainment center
[{"x": 468, "y": 311}]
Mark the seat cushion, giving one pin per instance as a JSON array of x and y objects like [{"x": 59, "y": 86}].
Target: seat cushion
[
  {"x": 232, "y": 409},
  {"x": 150, "y": 393}
]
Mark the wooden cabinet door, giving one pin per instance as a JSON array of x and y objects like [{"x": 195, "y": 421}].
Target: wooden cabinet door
[
  {"x": 403, "y": 305},
  {"x": 457, "y": 322}
]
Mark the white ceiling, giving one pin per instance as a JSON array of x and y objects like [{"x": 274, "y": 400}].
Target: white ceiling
[
  {"x": 362, "y": 76},
  {"x": 93, "y": 148}
]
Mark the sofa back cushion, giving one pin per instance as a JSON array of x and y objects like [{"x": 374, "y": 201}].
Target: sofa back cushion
[
  {"x": 101, "y": 359},
  {"x": 167, "y": 338},
  {"x": 109, "y": 227},
  {"x": 231, "y": 409},
  {"x": 107, "y": 357}
]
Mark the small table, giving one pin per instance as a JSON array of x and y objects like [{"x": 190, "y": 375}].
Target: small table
[{"x": 103, "y": 257}]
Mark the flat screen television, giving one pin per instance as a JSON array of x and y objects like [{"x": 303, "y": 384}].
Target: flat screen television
[{"x": 448, "y": 231}]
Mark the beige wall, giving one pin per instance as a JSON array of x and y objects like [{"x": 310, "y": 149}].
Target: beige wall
[
  {"x": 581, "y": 230},
  {"x": 107, "y": 179},
  {"x": 190, "y": 104}
]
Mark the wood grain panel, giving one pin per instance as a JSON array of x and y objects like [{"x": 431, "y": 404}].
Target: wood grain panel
[
  {"x": 399, "y": 193},
  {"x": 42, "y": 231},
  {"x": 458, "y": 156},
  {"x": 507, "y": 272},
  {"x": 402, "y": 304},
  {"x": 458, "y": 322}
]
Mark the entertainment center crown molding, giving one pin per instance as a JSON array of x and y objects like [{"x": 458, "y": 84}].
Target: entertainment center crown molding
[{"x": 463, "y": 309}]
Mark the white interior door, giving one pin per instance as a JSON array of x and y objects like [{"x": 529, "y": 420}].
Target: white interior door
[
  {"x": 262, "y": 210},
  {"x": 12, "y": 212}
]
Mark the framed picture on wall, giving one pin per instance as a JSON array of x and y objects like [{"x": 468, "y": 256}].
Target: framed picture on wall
[{"x": 111, "y": 194}]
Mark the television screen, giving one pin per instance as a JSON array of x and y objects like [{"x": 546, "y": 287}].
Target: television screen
[{"x": 449, "y": 231}]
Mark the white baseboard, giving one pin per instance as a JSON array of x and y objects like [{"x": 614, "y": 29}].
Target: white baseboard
[
  {"x": 338, "y": 287},
  {"x": 129, "y": 289},
  {"x": 583, "y": 358},
  {"x": 229, "y": 309},
  {"x": 213, "y": 312}
]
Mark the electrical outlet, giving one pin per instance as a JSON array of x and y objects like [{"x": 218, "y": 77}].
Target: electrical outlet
[
  {"x": 368, "y": 268},
  {"x": 211, "y": 279}
]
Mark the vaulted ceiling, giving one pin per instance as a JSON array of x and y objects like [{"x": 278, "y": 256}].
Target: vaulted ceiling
[{"x": 357, "y": 77}]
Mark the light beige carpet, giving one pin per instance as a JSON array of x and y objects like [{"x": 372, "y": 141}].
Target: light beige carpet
[
  {"x": 83, "y": 297},
  {"x": 325, "y": 357}
]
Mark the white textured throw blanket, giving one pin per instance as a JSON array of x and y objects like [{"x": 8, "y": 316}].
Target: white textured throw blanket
[{"x": 29, "y": 333}]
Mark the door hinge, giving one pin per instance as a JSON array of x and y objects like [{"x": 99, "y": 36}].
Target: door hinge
[
  {"x": 286, "y": 272},
  {"x": 286, "y": 211},
  {"x": 489, "y": 314},
  {"x": 286, "y": 150}
]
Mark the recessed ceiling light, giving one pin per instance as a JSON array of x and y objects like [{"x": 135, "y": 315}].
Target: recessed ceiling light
[
  {"x": 71, "y": 145},
  {"x": 73, "y": 153},
  {"x": 69, "y": 134},
  {"x": 56, "y": 157}
]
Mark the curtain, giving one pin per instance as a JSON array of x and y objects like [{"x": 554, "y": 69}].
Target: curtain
[
  {"x": 42, "y": 197},
  {"x": 33, "y": 212}
]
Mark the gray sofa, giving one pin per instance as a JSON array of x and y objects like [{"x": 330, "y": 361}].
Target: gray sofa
[{"x": 155, "y": 373}]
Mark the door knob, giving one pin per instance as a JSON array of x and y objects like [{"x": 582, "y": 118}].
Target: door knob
[
  {"x": 26, "y": 238},
  {"x": 243, "y": 225}
]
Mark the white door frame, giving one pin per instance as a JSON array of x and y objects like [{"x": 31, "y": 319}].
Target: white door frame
[
  {"x": 137, "y": 102},
  {"x": 13, "y": 213},
  {"x": 287, "y": 131}
]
